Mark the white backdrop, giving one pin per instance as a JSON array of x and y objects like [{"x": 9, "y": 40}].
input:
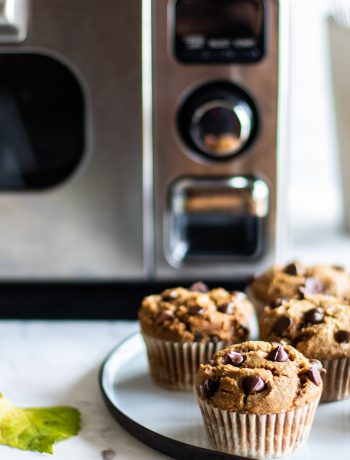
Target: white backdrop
[{"x": 315, "y": 205}]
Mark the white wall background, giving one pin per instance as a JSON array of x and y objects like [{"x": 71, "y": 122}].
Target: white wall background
[{"x": 314, "y": 201}]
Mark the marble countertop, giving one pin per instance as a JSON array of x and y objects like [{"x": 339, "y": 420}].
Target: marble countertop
[{"x": 52, "y": 363}]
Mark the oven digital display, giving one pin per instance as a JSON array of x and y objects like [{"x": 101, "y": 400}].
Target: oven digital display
[{"x": 219, "y": 30}]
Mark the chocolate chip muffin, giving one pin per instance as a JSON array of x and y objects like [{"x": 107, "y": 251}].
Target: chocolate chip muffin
[
  {"x": 185, "y": 327},
  {"x": 297, "y": 279},
  {"x": 258, "y": 399},
  {"x": 319, "y": 327}
]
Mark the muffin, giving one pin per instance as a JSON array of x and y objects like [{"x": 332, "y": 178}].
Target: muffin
[
  {"x": 258, "y": 399},
  {"x": 296, "y": 279},
  {"x": 183, "y": 328},
  {"x": 319, "y": 327}
]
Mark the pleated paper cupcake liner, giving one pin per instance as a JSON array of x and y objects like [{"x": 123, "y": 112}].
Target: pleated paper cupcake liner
[
  {"x": 258, "y": 305},
  {"x": 174, "y": 365},
  {"x": 257, "y": 436},
  {"x": 336, "y": 380}
]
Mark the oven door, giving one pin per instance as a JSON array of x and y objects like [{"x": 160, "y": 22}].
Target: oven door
[{"x": 71, "y": 140}]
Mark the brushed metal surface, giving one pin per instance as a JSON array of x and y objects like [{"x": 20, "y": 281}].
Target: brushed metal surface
[
  {"x": 99, "y": 224},
  {"x": 91, "y": 225},
  {"x": 172, "y": 82}
]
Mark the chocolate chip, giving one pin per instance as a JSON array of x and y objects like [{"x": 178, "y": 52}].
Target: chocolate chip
[
  {"x": 314, "y": 316},
  {"x": 304, "y": 336},
  {"x": 227, "y": 308},
  {"x": 293, "y": 269},
  {"x": 312, "y": 286},
  {"x": 164, "y": 316},
  {"x": 339, "y": 268},
  {"x": 282, "y": 324},
  {"x": 234, "y": 358},
  {"x": 342, "y": 336},
  {"x": 195, "y": 310},
  {"x": 197, "y": 336},
  {"x": 278, "y": 355},
  {"x": 318, "y": 365},
  {"x": 208, "y": 388},
  {"x": 199, "y": 287},
  {"x": 169, "y": 296},
  {"x": 277, "y": 302},
  {"x": 253, "y": 385},
  {"x": 314, "y": 375}
]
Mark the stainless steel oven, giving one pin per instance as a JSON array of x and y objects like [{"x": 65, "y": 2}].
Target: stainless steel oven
[{"x": 138, "y": 140}]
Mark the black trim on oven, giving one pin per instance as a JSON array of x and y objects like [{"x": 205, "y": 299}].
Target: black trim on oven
[{"x": 83, "y": 300}]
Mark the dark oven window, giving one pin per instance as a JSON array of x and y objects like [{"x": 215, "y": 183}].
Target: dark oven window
[{"x": 41, "y": 122}]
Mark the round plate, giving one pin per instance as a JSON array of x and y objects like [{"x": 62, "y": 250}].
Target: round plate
[{"x": 171, "y": 421}]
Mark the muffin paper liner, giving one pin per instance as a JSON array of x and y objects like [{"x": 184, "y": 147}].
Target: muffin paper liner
[
  {"x": 257, "y": 436},
  {"x": 336, "y": 381},
  {"x": 258, "y": 304},
  {"x": 174, "y": 365}
]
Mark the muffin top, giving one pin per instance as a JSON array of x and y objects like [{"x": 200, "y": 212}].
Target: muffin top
[
  {"x": 197, "y": 314},
  {"x": 259, "y": 378},
  {"x": 318, "y": 326},
  {"x": 297, "y": 279}
]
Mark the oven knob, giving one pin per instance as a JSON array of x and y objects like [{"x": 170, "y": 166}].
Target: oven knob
[
  {"x": 218, "y": 121},
  {"x": 221, "y": 128}
]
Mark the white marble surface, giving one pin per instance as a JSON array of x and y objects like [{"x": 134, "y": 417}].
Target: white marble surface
[{"x": 53, "y": 363}]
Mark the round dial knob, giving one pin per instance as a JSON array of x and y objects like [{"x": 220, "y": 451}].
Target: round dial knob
[
  {"x": 218, "y": 120},
  {"x": 221, "y": 127}
]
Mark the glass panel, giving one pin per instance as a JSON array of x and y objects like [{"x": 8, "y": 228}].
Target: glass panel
[
  {"x": 41, "y": 122},
  {"x": 214, "y": 235},
  {"x": 219, "y": 31},
  {"x": 215, "y": 218}
]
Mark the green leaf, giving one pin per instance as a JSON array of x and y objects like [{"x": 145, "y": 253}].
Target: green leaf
[{"x": 36, "y": 429}]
